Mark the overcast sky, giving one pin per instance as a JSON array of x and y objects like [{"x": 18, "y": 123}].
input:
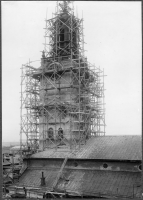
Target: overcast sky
[{"x": 113, "y": 35}]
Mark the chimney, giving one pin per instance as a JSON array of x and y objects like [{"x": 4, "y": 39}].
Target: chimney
[{"x": 43, "y": 180}]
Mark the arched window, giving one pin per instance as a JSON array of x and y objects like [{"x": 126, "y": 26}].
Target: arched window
[
  {"x": 60, "y": 133},
  {"x": 140, "y": 167},
  {"x": 50, "y": 133}
]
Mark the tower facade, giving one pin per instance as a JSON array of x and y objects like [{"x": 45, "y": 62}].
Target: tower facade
[{"x": 65, "y": 98}]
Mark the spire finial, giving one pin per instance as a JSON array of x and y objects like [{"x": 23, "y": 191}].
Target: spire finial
[{"x": 65, "y": 6}]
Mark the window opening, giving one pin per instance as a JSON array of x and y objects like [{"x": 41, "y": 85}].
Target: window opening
[
  {"x": 62, "y": 35},
  {"x": 51, "y": 133},
  {"x": 105, "y": 165},
  {"x": 140, "y": 167},
  {"x": 60, "y": 133}
]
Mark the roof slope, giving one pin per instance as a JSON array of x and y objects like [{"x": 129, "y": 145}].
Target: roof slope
[
  {"x": 104, "y": 182},
  {"x": 32, "y": 177},
  {"x": 108, "y": 147},
  {"x": 86, "y": 182}
]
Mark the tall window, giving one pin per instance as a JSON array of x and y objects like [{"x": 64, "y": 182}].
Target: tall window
[
  {"x": 60, "y": 133},
  {"x": 61, "y": 35},
  {"x": 50, "y": 133}
]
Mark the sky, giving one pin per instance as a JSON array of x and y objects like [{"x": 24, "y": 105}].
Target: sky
[{"x": 112, "y": 32}]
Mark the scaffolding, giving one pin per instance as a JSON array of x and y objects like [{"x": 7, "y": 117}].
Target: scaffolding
[
  {"x": 29, "y": 126},
  {"x": 62, "y": 101}
]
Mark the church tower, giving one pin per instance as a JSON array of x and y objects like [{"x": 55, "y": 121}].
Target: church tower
[{"x": 69, "y": 107}]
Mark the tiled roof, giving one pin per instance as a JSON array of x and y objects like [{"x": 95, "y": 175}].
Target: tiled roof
[
  {"x": 103, "y": 182},
  {"x": 86, "y": 182},
  {"x": 32, "y": 177},
  {"x": 108, "y": 147}
]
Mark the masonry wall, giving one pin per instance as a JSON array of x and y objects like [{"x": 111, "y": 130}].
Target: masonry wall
[
  {"x": 56, "y": 91},
  {"x": 87, "y": 164}
]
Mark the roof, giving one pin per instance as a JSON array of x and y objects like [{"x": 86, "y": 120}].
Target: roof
[
  {"x": 5, "y": 150},
  {"x": 101, "y": 147},
  {"x": 15, "y": 148},
  {"x": 103, "y": 182},
  {"x": 35, "y": 177},
  {"x": 86, "y": 182}
]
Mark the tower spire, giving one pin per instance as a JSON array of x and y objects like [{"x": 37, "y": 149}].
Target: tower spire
[{"x": 65, "y": 6}]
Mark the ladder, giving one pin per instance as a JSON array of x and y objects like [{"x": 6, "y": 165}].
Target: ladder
[{"x": 60, "y": 173}]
